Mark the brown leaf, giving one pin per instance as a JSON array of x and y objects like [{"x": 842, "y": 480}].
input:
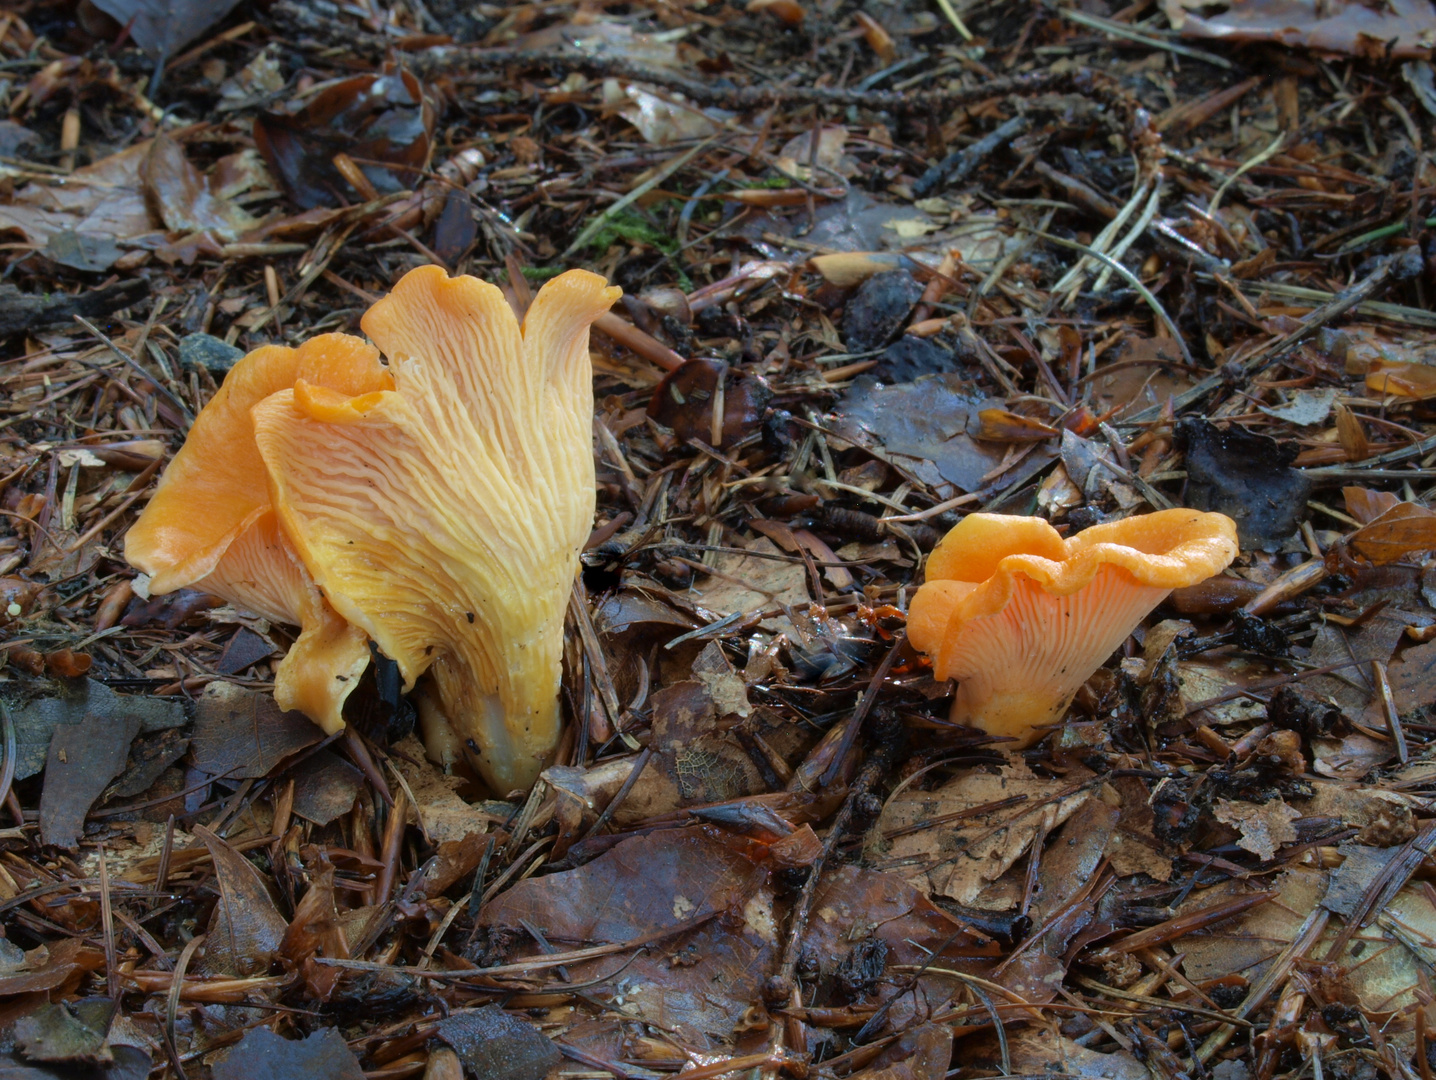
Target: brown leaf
[
  {"x": 181, "y": 198},
  {"x": 644, "y": 884},
  {"x": 83, "y": 759},
  {"x": 1366, "y": 505},
  {"x": 67, "y": 959},
  {"x": 685, "y": 399},
  {"x": 325, "y": 786},
  {"x": 1398, "y": 531},
  {"x": 960, "y": 857},
  {"x": 246, "y": 928},
  {"x": 242, "y": 734},
  {"x": 263, "y": 1055},
  {"x": 382, "y": 122}
]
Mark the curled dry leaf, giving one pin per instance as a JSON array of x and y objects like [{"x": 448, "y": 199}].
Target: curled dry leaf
[
  {"x": 1264, "y": 827},
  {"x": 246, "y": 929}
]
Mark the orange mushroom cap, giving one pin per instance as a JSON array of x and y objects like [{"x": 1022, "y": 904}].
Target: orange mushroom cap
[
  {"x": 1022, "y": 617},
  {"x": 211, "y": 524},
  {"x": 445, "y": 516}
]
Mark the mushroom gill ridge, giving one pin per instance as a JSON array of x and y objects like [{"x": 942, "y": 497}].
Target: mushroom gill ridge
[
  {"x": 445, "y": 516},
  {"x": 211, "y": 523}
]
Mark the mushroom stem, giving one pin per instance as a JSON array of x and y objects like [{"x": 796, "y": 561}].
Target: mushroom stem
[{"x": 508, "y": 728}]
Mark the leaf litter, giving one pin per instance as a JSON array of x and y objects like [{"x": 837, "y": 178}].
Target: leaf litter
[{"x": 849, "y": 241}]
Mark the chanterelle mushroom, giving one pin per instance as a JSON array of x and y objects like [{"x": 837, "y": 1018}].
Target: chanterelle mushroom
[
  {"x": 1021, "y": 617},
  {"x": 211, "y": 522},
  {"x": 445, "y": 517}
]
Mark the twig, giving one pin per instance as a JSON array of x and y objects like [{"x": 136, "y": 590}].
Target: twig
[
  {"x": 956, "y": 167},
  {"x": 185, "y": 415},
  {"x": 779, "y": 988},
  {"x": 1269, "y": 354},
  {"x": 1132, "y": 280},
  {"x": 617, "y": 800}
]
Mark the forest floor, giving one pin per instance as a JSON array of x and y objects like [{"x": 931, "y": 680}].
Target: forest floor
[{"x": 884, "y": 264}]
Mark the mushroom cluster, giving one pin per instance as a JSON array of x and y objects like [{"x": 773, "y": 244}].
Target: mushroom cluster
[
  {"x": 1022, "y": 618},
  {"x": 435, "y": 506}
]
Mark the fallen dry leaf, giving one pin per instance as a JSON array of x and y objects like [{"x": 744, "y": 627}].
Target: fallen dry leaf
[
  {"x": 1264, "y": 826},
  {"x": 961, "y": 856}
]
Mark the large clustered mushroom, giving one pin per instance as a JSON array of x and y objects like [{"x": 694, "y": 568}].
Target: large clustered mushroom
[
  {"x": 436, "y": 506},
  {"x": 1022, "y": 618}
]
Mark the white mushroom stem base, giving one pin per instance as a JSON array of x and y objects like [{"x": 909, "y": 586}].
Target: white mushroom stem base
[
  {"x": 442, "y": 744},
  {"x": 507, "y": 742},
  {"x": 1019, "y": 669}
]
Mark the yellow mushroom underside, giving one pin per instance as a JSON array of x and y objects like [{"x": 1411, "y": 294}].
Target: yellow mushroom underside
[{"x": 445, "y": 517}]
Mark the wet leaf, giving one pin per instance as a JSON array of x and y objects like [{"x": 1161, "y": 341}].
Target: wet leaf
[
  {"x": 162, "y": 27},
  {"x": 1402, "y": 379},
  {"x": 686, "y": 398},
  {"x": 931, "y": 420},
  {"x": 495, "y": 1045},
  {"x": 263, "y": 1055},
  {"x": 1247, "y": 477},
  {"x": 878, "y": 310},
  {"x": 83, "y": 759},
  {"x": 382, "y": 122},
  {"x": 1000, "y": 425},
  {"x": 242, "y": 734}
]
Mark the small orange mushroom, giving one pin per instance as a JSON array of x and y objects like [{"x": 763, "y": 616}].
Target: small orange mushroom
[
  {"x": 445, "y": 515},
  {"x": 1021, "y": 617},
  {"x": 211, "y": 523}
]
